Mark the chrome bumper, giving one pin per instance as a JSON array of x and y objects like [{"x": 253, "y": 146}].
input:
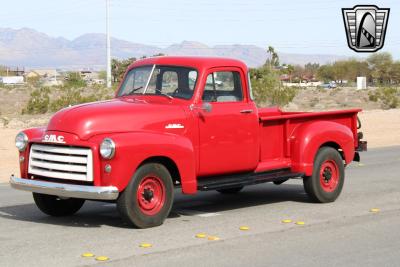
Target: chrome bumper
[{"x": 65, "y": 190}]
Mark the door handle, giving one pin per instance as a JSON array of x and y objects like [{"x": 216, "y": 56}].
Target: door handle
[{"x": 246, "y": 111}]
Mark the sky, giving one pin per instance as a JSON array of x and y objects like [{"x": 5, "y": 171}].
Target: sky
[{"x": 302, "y": 26}]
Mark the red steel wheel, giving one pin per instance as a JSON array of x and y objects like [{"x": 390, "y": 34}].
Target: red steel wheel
[
  {"x": 327, "y": 179},
  {"x": 151, "y": 195},
  {"x": 329, "y": 176},
  {"x": 147, "y": 200}
]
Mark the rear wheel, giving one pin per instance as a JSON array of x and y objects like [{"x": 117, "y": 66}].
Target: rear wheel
[
  {"x": 326, "y": 182},
  {"x": 233, "y": 190},
  {"x": 55, "y": 206},
  {"x": 148, "y": 198}
]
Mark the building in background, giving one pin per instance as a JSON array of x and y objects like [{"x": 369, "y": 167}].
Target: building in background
[
  {"x": 11, "y": 80},
  {"x": 361, "y": 83},
  {"x": 42, "y": 73}
]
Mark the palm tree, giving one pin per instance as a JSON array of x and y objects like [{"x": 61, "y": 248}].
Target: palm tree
[
  {"x": 290, "y": 70},
  {"x": 271, "y": 52},
  {"x": 274, "y": 58}
]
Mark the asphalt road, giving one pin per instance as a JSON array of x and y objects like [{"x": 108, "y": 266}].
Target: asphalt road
[{"x": 344, "y": 233}]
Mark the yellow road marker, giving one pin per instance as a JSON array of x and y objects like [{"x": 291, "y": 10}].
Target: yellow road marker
[
  {"x": 201, "y": 235},
  {"x": 300, "y": 223},
  {"x": 244, "y": 228},
  {"x": 213, "y": 238},
  {"x": 361, "y": 164},
  {"x": 145, "y": 245},
  {"x": 287, "y": 221},
  {"x": 102, "y": 258},
  {"x": 374, "y": 210},
  {"x": 87, "y": 255}
]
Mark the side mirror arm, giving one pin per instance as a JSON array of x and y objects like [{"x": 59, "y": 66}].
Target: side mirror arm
[{"x": 206, "y": 106}]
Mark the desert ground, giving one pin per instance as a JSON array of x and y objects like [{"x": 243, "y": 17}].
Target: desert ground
[{"x": 381, "y": 128}]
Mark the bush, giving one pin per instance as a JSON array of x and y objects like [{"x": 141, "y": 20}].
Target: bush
[
  {"x": 267, "y": 88},
  {"x": 74, "y": 79},
  {"x": 42, "y": 100},
  {"x": 372, "y": 97},
  {"x": 70, "y": 97},
  {"x": 38, "y": 102},
  {"x": 388, "y": 96}
]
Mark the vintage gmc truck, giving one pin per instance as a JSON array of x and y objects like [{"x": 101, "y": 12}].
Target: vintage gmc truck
[{"x": 186, "y": 122}]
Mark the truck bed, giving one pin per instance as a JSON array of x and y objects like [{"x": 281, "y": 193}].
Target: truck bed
[{"x": 278, "y": 131}]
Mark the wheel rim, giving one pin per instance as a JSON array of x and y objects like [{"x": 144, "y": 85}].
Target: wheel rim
[
  {"x": 151, "y": 195},
  {"x": 329, "y": 175}
]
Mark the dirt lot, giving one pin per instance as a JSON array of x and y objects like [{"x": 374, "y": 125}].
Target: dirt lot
[{"x": 381, "y": 128}]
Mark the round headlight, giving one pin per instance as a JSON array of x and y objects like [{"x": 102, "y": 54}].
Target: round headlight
[
  {"x": 21, "y": 141},
  {"x": 107, "y": 148}
]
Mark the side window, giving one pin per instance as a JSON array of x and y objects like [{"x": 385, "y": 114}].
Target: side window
[
  {"x": 209, "y": 92},
  {"x": 192, "y": 77},
  {"x": 169, "y": 82},
  {"x": 223, "y": 86},
  {"x": 250, "y": 88}
]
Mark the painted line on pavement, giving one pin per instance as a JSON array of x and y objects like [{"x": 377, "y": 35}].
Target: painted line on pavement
[{"x": 197, "y": 213}]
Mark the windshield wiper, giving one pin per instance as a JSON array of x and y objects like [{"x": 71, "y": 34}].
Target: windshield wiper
[
  {"x": 133, "y": 90},
  {"x": 164, "y": 94}
]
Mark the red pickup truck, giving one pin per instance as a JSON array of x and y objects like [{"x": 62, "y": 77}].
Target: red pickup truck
[{"x": 186, "y": 122}]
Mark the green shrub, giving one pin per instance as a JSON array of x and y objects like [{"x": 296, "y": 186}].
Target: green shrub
[
  {"x": 38, "y": 102},
  {"x": 267, "y": 88},
  {"x": 74, "y": 79},
  {"x": 388, "y": 96},
  {"x": 372, "y": 97},
  {"x": 70, "y": 97},
  {"x": 43, "y": 100}
]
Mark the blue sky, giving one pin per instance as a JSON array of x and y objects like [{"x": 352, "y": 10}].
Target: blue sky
[{"x": 303, "y": 26}]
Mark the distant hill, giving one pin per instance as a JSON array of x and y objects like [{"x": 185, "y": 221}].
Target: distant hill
[{"x": 33, "y": 49}]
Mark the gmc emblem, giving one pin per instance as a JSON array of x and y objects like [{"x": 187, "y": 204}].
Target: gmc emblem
[{"x": 52, "y": 138}]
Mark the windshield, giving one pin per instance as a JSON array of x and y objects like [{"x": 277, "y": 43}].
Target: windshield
[{"x": 168, "y": 81}]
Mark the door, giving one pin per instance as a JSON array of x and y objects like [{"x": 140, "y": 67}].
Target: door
[{"x": 228, "y": 132}]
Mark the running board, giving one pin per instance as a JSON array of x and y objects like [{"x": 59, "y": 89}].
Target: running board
[{"x": 237, "y": 180}]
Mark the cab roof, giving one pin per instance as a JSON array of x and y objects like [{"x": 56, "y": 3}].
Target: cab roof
[{"x": 194, "y": 62}]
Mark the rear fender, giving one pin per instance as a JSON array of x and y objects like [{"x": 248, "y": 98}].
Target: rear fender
[
  {"x": 134, "y": 148},
  {"x": 308, "y": 138}
]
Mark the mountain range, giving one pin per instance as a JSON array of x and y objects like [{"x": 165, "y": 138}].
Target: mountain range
[{"x": 32, "y": 49}]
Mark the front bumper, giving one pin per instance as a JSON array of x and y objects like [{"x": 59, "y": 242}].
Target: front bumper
[{"x": 65, "y": 190}]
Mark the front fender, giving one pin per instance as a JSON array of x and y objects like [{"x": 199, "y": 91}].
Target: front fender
[
  {"x": 135, "y": 147},
  {"x": 308, "y": 138}
]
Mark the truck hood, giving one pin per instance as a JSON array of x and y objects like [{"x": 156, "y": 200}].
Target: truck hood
[{"x": 117, "y": 115}]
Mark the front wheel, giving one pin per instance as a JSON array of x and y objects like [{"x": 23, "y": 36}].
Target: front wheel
[
  {"x": 148, "y": 198},
  {"x": 327, "y": 178},
  {"x": 57, "y": 207}
]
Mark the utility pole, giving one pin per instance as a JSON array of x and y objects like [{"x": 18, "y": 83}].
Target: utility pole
[{"x": 108, "y": 44}]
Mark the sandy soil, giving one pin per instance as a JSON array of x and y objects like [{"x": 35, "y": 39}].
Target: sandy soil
[
  {"x": 381, "y": 128},
  {"x": 8, "y": 154}
]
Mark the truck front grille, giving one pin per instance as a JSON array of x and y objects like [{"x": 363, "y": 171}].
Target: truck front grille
[{"x": 62, "y": 162}]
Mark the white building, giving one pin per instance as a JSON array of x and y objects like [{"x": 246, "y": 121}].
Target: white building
[{"x": 12, "y": 80}]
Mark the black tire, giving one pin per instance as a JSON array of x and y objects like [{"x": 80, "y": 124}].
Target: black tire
[
  {"x": 131, "y": 208},
  {"x": 319, "y": 189},
  {"x": 233, "y": 190},
  {"x": 57, "y": 207}
]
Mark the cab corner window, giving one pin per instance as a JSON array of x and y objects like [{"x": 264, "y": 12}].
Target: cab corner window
[{"x": 223, "y": 86}]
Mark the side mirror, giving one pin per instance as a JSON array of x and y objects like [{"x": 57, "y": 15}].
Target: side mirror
[{"x": 207, "y": 107}]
